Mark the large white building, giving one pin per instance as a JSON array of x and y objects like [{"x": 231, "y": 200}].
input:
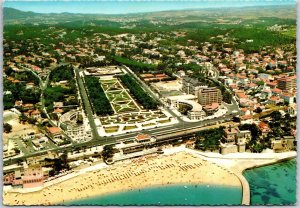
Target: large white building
[{"x": 196, "y": 112}]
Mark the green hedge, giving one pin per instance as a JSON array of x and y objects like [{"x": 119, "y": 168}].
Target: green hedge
[
  {"x": 97, "y": 96},
  {"x": 138, "y": 92},
  {"x": 134, "y": 65}
]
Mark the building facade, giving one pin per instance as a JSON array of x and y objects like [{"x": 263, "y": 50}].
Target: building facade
[
  {"x": 287, "y": 83},
  {"x": 234, "y": 140},
  {"x": 191, "y": 85},
  {"x": 210, "y": 95}
]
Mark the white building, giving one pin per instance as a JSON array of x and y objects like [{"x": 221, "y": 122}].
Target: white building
[{"x": 196, "y": 112}]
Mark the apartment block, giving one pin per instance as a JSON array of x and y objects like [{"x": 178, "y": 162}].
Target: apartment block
[{"x": 209, "y": 95}]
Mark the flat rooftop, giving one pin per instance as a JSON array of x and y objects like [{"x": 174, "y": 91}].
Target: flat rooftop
[{"x": 182, "y": 97}]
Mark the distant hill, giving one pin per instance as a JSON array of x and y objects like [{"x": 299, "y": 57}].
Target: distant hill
[
  {"x": 10, "y": 13},
  {"x": 284, "y": 11}
]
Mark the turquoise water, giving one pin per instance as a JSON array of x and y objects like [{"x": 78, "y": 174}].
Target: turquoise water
[
  {"x": 123, "y": 7},
  {"x": 273, "y": 184},
  {"x": 170, "y": 195}
]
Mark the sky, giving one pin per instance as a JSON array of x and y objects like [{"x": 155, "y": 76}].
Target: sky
[{"x": 131, "y": 6}]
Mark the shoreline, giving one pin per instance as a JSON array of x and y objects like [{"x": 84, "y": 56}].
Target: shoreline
[
  {"x": 271, "y": 163},
  {"x": 284, "y": 191},
  {"x": 178, "y": 166},
  {"x": 245, "y": 184},
  {"x": 239, "y": 166}
]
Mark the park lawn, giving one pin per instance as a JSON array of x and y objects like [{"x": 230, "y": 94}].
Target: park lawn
[
  {"x": 149, "y": 124},
  {"x": 123, "y": 96},
  {"x": 132, "y": 104},
  {"x": 109, "y": 85},
  {"x": 108, "y": 81},
  {"x": 117, "y": 107},
  {"x": 105, "y": 87},
  {"x": 104, "y": 121},
  {"x": 129, "y": 127},
  {"x": 111, "y": 129},
  {"x": 118, "y": 96},
  {"x": 110, "y": 97},
  {"x": 162, "y": 116},
  {"x": 124, "y": 107},
  {"x": 113, "y": 93},
  {"x": 127, "y": 109}
]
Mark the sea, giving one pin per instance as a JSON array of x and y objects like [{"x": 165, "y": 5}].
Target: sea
[
  {"x": 131, "y": 6},
  {"x": 273, "y": 185},
  {"x": 169, "y": 195}
]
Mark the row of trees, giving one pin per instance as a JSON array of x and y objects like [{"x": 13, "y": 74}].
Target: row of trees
[
  {"x": 209, "y": 139},
  {"x": 134, "y": 65},
  {"x": 97, "y": 96},
  {"x": 143, "y": 98},
  {"x": 23, "y": 119},
  {"x": 108, "y": 152},
  {"x": 227, "y": 96}
]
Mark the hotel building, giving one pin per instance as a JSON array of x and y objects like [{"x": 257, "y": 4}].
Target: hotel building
[{"x": 210, "y": 95}]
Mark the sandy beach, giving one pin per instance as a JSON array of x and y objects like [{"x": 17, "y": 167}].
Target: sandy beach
[{"x": 153, "y": 170}]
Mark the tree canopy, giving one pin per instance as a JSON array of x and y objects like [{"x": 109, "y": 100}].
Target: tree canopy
[
  {"x": 100, "y": 103},
  {"x": 209, "y": 139},
  {"x": 139, "y": 93}
]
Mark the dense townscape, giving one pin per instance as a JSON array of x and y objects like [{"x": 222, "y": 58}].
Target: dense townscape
[{"x": 79, "y": 91}]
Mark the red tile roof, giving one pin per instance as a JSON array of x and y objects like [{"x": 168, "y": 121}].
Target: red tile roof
[
  {"x": 142, "y": 137},
  {"x": 54, "y": 130},
  {"x": 58, "y": 110},
  {"x": 276, "y": 90},
  {"x": 35, "y": 112}
]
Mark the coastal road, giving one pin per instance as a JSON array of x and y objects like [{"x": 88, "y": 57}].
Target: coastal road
[{"x": 177, "y": 129}]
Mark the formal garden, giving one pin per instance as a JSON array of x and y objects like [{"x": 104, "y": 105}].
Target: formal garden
[
  {"x": 123, "y": 108},
  {"x": 132, "y": 118},
  {"x": 118, "y": 96}
]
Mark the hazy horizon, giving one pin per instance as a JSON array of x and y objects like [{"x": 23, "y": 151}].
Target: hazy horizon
[{"x": 127, "y": 7}]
